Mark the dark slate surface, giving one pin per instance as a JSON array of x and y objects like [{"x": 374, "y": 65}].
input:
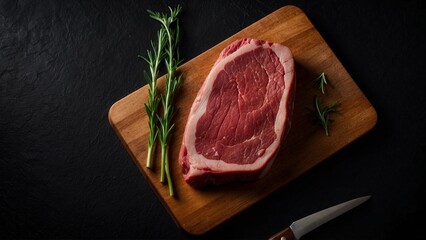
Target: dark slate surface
[{"x": 64, "y": 173}]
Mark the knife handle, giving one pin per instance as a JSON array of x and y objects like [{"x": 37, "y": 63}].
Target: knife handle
[{"x": 285, "y": 234}]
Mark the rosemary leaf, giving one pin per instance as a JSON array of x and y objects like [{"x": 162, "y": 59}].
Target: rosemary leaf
[
  {"x": 153, "y": 58},
  {"x": 322, "y": 113},
  {"x": 172, "y": 61},
  {"x": 321, "y": 82}
]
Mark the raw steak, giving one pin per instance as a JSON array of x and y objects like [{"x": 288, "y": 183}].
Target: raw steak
[{"x": 240, "y": 115}]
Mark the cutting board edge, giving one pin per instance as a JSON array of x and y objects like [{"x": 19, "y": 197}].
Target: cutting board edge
[
  {"x": 179, "y": 223},
  {"x": 188, "y": 229},
  {"x": 278, "y": 187},
  {"x": 136, "y": 162}
]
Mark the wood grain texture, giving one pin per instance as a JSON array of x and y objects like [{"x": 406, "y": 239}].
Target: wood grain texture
[{"x": 198, "y": 211}]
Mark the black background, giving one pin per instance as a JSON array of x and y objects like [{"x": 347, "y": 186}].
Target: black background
[{"x": 65, "y": 174}]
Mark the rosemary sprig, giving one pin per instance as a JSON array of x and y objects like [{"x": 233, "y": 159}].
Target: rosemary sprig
[
  {"x": 321, "y": 82},
  {"x": 322, "y": 113},
  {"x": 172, "y": 61},
  {"x": 154, "y": 58}
]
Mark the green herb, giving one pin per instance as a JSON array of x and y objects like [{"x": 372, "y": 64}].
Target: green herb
[
  {"x": 321, "y": 82},
  {"x": 154, "y": 59},
  {"x": 322, "y": 113},
  {"x": 172, "y": 61}
]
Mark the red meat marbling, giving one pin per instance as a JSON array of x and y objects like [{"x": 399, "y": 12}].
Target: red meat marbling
[{"x": 241, "y": 114}]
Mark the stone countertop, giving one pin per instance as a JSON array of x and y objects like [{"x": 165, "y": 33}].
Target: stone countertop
[{"x": 65, "y": 174}]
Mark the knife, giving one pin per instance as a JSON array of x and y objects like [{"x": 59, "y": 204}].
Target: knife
[{"x": 302, "y": 226}]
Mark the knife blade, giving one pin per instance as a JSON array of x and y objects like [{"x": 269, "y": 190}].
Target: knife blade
[{"x": 304, "y": 225}]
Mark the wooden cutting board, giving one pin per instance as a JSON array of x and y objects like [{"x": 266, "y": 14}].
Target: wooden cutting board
[{"x": 198, "y": 211}]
